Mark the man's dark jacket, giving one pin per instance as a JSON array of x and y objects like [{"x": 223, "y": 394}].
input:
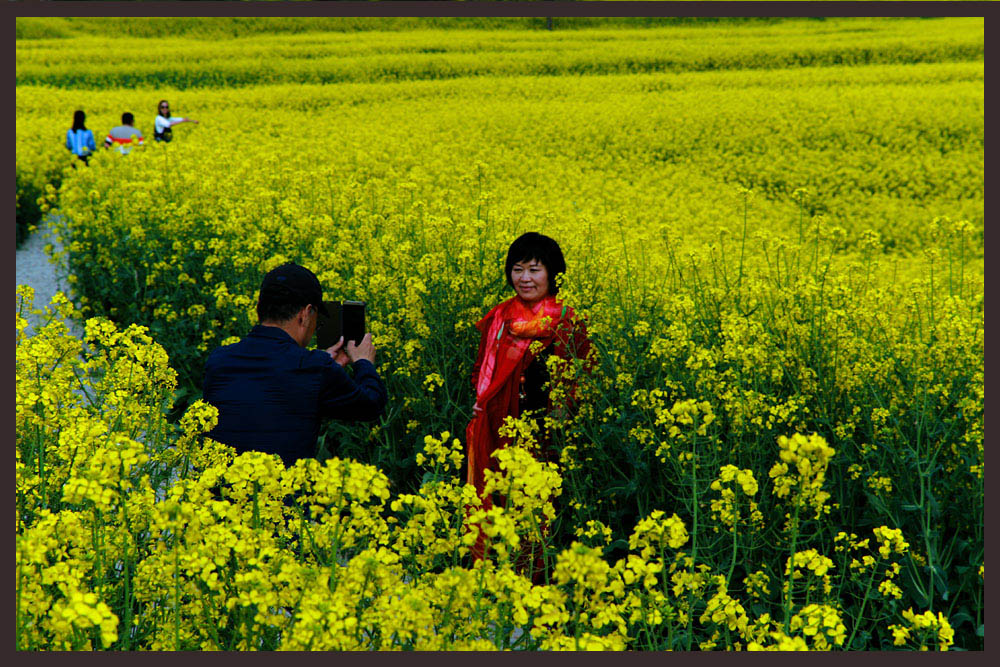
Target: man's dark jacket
[{"x": 272, "y": 394}]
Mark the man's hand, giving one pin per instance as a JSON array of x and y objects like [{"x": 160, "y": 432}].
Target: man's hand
[
  {"x": 337, "y": 352},
  {"x": 362, "y": 350}
]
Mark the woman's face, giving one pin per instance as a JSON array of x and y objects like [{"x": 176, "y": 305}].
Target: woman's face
[
  {"x": 531, "y": 280},
  {"x": 164, "y": 108}
]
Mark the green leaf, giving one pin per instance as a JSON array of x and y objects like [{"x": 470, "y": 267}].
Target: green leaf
[
  {"x": 959, "y": 618},
  {"x": 940, "y": 582},
  {"x": 617, "y": 544}
]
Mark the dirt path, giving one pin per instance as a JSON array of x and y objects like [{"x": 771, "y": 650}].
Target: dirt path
[{"x": 34, "y": 268}]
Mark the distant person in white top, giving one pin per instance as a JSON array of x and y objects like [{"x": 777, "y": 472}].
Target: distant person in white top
[
  {"x": 164, "y": 122},
  {"x": 124, "y": 135}
]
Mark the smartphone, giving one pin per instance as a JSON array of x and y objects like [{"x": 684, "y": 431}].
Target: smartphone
[
  {"x": 352, "y": 316},
  {"x": 347, "y": 319}
]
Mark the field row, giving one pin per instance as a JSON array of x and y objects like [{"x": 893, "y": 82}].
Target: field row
[
  {"x": 338, "y": 58},
  {"x": 886, "y": 157},
  {"x": 241, "y": 27}
]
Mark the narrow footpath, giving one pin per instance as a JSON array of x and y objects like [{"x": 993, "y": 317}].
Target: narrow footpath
[{"x": 34, "y": 268}]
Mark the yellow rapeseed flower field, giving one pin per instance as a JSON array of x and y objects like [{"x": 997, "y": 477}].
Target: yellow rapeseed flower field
[{"x": 774, "y": 230}]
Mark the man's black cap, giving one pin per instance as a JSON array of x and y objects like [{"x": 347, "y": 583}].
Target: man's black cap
[{"x": 291, "y": 283}]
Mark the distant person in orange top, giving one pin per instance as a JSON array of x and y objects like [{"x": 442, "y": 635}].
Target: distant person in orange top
[
  {"x": 509, "y": 379},
  {"x": 163, "y": 122},
  {"x": 125, "y": 135}
]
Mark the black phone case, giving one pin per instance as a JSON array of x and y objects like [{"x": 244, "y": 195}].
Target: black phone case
[
  {"x": 346, "y": 319},
  {"x": 352, "y": 317},
  {"x": 329, "y": 328}
]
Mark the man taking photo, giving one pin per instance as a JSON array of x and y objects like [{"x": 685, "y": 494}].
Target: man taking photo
[{"x": 271, "y": 392}]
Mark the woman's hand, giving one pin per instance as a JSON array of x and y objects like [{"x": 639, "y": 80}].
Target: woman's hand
[{"x": 476, "y": 410}]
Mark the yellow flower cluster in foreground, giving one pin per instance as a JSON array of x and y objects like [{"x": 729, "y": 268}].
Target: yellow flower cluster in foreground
[{"x": 136, "y": 533}]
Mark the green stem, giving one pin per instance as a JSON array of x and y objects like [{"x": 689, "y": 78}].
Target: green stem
[
  {"x": 815, "y": 262},
  {"x": 801, "y": 211},
  {"x": 739, "y": 278},
  {"x": 961, "y": 266},
  {"x": 126, "y": 567},
  {"x": 694, "y": 538},
  {"x": 930, "y": 300},
  {"x": 177, "y": 597},
  {"x": 17, "y": 619},
  {"x": 256, "y": 508},
  {"x": 951, "y": 275},
  {"x": 786, "y": 594},
  {"x": 732, "y": 561},
  {"x": 40, "y": 440},
  {"x": 923, "y": 475},
  {"x": 694, "y": 504},
  {"x": 96, "y": 542}
]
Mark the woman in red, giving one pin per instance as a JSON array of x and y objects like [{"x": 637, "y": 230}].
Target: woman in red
[{"x": 509, "y": 379}]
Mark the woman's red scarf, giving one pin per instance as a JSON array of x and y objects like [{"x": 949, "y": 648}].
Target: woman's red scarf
[{"x": 508, "y": 330}]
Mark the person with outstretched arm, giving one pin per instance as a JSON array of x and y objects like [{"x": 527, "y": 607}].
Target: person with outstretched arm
[{"x": 163, "y": 122}]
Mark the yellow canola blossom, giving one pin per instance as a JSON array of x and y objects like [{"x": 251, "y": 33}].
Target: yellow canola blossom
[
  {"x": 244, "y": 553},
  {"x": 760, "y": 253}
]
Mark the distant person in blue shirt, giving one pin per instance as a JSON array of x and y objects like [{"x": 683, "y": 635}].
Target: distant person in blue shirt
[
  {"x": 80, "y": 140},
  {"x": 271, "y": 392},
  {"x": 163, "y": 122}
]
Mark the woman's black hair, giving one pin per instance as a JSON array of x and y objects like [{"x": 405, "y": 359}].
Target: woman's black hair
[
  {"x": 78, "y": 118},
  {"x": 532, "y": 245}
]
